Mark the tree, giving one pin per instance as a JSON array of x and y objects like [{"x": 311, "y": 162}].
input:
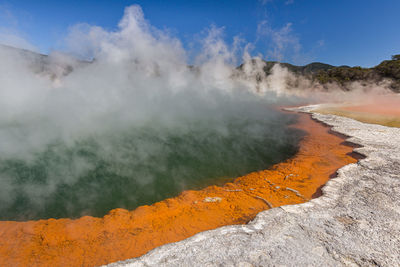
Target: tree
[{"x": 396, "y": 57}]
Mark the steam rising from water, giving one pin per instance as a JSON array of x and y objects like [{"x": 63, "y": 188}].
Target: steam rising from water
[{"x": 112, "y": 132}]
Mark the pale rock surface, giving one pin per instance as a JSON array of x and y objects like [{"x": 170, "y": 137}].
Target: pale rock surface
[{"x": 355, "y": 223}]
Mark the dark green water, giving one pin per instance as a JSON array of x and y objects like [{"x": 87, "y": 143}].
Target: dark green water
[{"x": 140, "y": 165}]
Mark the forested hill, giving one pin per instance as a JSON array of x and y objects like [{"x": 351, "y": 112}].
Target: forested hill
[
  {"x": 319, "y": 72},
  {"x": 325, "y": 73}
]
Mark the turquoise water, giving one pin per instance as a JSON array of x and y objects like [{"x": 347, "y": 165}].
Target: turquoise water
[{"x": 141, "y": 165}]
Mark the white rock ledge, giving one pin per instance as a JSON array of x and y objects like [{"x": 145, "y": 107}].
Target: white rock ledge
[{"x": 356, "y": 222}]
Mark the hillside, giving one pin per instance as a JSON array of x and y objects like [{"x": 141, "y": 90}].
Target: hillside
[
  {"x": 309, "y": 69},
  {"x": 54, "y": 65},
  {"x": 342, "y": 75},
  {"x": 388, "y": 69},
  {"x": 57, "y": 65}
]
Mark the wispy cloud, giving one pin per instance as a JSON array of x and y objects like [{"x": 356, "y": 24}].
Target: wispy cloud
[
  {"x": 7, "y": 18},
  {"x": 9, "y": 30},
  {"x": 320, "y": 43},
  {"x": 287, "y": 2},
  {"x": 282, "y": 42},
  {"x": 264, "y": 2}
]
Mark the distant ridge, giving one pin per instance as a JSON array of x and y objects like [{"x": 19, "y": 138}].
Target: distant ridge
[
  {"x": 316, "y": 71},
  {"x": 387, "y": 69},
  {"x": 51, "y": 65},
  {"x": 342, "y": 75}
]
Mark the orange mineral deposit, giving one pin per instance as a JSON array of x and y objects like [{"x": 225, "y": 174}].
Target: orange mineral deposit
[
  {"x": 383, "y": 110},
  {"x": 124, "y": 234}
]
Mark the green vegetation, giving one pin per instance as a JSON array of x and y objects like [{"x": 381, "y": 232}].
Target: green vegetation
[
  {"x": 396, "y": 57},
  {"x": 342, "y": 75},
  {"x": 311, "y": 68},
  {"x": 388, "y": 69},
  {"x": 316, "y": 71}
]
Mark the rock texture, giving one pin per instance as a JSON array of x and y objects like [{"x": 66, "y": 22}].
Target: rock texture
[{"x": 355, "y": 223}]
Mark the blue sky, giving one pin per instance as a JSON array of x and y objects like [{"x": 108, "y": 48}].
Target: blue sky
[{"x": 338, "y": 32}]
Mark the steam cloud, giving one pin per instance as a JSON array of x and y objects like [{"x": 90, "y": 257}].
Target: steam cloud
[{"x": 69, "y": 128}]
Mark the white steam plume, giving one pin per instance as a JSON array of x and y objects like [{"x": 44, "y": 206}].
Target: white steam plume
[{"x": 125, "y": 108}]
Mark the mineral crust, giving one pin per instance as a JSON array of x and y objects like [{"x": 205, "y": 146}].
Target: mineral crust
[{"x": 356, "y": 222}]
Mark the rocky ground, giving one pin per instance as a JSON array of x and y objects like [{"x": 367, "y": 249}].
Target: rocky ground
[{"x": 355, "y": 223}]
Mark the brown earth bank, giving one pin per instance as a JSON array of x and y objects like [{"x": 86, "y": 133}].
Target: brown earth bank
[{"x": 124, "y": 234}]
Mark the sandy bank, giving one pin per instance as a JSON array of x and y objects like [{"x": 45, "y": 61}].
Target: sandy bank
[
  {"x": 123, "y": 234},
  {"x": 383, "y": 110},
  {"x": 354, "y": 223}
]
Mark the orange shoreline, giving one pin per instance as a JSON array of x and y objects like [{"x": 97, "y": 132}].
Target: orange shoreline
[{"x": 123, "y": 234}]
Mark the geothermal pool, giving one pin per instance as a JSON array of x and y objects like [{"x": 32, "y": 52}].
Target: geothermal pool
[
  {"x": 140, "y": 165},
  {"x": 124, "y": 234},
  {"x": 134, "y": 124}
]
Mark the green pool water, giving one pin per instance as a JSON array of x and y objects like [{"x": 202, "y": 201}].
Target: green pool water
[{"x": 139, "y": 165}]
